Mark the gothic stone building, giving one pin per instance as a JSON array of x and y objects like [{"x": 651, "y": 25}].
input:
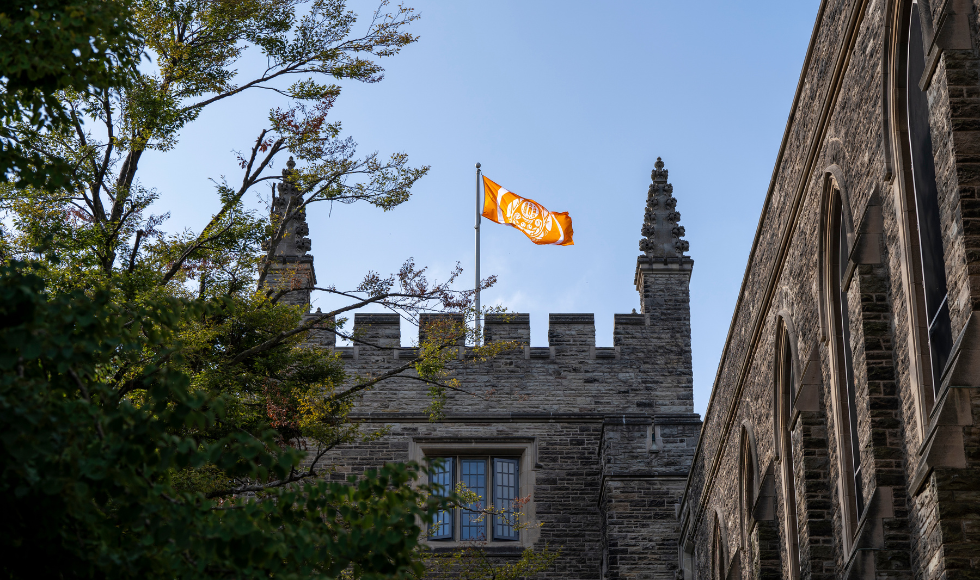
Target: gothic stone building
[
  {"x": 841, "y": 439},
  {"x": 600, "y": 439}
]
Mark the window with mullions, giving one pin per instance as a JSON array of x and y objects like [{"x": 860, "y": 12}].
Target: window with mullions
[
  {"x": 442, "y": 482},
  {"x": 785, "y": 394},
  {"x": 496, "y": 480},
  {"x": 927, "y": 207},
  {"x": 846, "y": 390}
]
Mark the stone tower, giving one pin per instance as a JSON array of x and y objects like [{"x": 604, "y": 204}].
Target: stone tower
[
  {"x": 663, "y": 276},
  {"x": 640, "y": 490},
  {"x": 292, "y": 265}
]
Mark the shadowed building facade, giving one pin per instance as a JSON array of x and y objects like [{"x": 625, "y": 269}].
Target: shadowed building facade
[{"x": 841, "y": 438}]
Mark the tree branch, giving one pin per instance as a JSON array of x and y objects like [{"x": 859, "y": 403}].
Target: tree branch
[
  {"x": 136, "y": 249},
  {"x": 279, "y": 338},
  {"x": 293, "y": 478},
  {"x": 370, "y": 383},
  {"x": 250, "y": 179},
  {"x": 100, "y": 176}
]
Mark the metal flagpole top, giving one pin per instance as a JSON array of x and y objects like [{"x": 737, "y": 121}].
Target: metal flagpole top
[{"x": 477, "y": 280}]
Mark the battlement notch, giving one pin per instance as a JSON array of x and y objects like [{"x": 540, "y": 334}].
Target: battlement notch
[
  {"x": 507, "y": 326},
  {"x": 378, "y": 330},
  {"x": 571, "y": 334}
]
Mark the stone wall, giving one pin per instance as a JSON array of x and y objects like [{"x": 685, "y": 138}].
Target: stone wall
[
  {"x": 919, "y": 474},
  {"x": 611, "y": 430}
]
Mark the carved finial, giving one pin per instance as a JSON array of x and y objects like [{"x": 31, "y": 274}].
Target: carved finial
[
  {"x": 290, "y": 169},
  {"x": 290, "y": 200},
  {"x": 659, "y": 174},
  {"x": 661, "y": 234}
]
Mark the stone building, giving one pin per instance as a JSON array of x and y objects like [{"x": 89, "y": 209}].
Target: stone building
[
  {"x": 600, "y": 439},
  {"x": 840, "y": 440}
]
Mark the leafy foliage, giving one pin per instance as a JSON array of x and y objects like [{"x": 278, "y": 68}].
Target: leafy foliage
[
  {"x": 49, "y": 46},
  {"x": 162, "y": 413},
  {"x": 472, "y": 562},
  {"x": 91, "y": 476}
]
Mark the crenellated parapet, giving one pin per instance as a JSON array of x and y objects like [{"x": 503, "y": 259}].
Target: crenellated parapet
[
  {"x": 570, "y": 335},
  {"x": 507, "y": 327}
]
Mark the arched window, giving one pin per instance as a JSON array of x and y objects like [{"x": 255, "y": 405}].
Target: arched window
[
  {"x": 926, "y": 191},
  {"x": 785, "y": 391},
  {"x": 718, "y": 550},
  {"x": 688, "y": 564},
  {"x": 749, "y": 468},
  {"x": 844, "y": 393}
]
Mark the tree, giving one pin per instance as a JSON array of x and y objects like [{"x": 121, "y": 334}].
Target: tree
[
  {"x": 95, "y": 482},
  {"x": 49, "y": 46},
  {"x": 155, "y": 389}
]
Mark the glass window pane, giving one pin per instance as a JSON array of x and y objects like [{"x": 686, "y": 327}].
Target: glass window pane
[
  {"x": 473, "y": 474},
  {"x": 442, "y": 480},
  {"x": 845, "y": 348},
  {"x": 787, "y": 394},
  {"x": 505, "y": 493},
  {"x": 927, "y": 206}
]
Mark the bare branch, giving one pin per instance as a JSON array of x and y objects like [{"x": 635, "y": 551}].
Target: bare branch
[
  {"x": 100, "y": 176},
  {"x": 370, "y": 383},
  {"x": 136, "y": 249},
  {"x": 250, "y": 179},
  {"x": 293, "y": 478},
  {"x": 282, "y": 336}
]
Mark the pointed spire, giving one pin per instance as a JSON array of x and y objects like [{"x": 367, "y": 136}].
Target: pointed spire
[
  {"x": 294, "y": 242},
  {"x": 661, "y": 234},
  {"x": 292, "y": 267}
]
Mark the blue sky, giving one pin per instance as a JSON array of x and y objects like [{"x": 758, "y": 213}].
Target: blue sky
[{"x": 569, "y": 103}]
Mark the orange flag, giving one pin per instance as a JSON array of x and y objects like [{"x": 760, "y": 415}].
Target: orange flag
[{"x": 539, "y": 224}]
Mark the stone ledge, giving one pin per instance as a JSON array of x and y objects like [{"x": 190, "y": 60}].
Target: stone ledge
[
  {"x": 514, "y": 551},
  {"x": 307, "y": 259},
  {"x": 404, "y": 417},
  {"x": 629, "y": 320},
  {"x": 507, "y": 318},
  {"x": 379, "y": 319},
  {"x": 571, "y": 318}
]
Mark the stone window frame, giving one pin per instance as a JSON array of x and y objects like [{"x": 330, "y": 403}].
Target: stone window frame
[
  {"x": 523, "y": 448},
  {"x": 750, "y": 480},
  {"x": 941, "y": 413},
  {"x": 719, "y": 547},
  {"x": 784, "y": 422},
  {"x": 938, "y": 316},
  {"x": 835, "y": 194},
  {"x": 910, "y": 262},
  {"x": 688, "y": 563},
  {"x": 687, "y": 549}
]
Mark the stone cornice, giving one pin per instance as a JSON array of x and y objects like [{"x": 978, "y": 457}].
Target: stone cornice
[{"x": 601, "y": 418}]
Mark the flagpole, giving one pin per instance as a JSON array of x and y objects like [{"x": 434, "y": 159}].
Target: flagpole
[{"x": 478, "y": 340}]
